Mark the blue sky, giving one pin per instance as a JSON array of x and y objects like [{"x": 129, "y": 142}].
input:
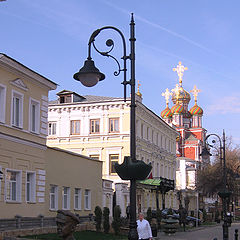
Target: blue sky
[{"x": 51, "y": 38}]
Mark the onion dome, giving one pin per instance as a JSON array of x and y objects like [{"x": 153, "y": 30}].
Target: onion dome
[
  {"x": 180, "y": 95},
  {"x": 196, "y": 110},
  {"x": 166, "y": 113},
  {"x": 177, "y": 109}
]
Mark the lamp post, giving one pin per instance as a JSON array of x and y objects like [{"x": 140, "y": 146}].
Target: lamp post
[
  {"x": 224, "y": 193},
  {"x": 131, "y": 169},
  {"x": 1, "y": 175}
]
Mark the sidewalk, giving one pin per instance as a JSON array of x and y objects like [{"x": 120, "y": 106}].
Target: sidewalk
[{"x": 200, "y": 233}]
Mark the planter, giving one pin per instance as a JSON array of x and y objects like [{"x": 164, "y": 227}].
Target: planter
[{"x": 170, "y": 225}]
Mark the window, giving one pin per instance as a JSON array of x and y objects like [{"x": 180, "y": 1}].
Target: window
[
  {"x": 66, "y": 99},
  {"x": 17, "y": 109},
  {"x": 2, "y": 103},
  {"x": 52, "y": 128},
  {"x": 13, "y": 186},
  {"x": 77, "y": 199},
  {"x": 30, "y": 187},
  {"x": 53, "y": 197},
  {"x": 75, "y": 127},
  {"x": 114, "y": 125},
  {"x": 87, "y": 199},
  {"x": 34, "y": 113},
  {"x": 95, "y": 156},
  {"x": 94, "y": 126},
  {"x": 113, "y": 158},
  {"x": 66, "y": 198}
]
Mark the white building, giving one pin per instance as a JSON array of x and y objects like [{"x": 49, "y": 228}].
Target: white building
[{"x": 99, "y": 127}]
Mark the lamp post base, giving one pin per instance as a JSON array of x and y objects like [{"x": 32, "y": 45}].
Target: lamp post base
[
  {"x": 225, "y": 230},
  {"x": 132, "y": 234}
]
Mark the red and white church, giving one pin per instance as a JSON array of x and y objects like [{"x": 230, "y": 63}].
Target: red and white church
[{"x": 188, "y": 122}]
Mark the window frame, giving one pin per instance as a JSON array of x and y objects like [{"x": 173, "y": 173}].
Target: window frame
[
  {"x": 110, "y": 163},
  {"x": 79, "y": 196},
  {"x": 114, "y": 119},
  {"x": 75, "y": 121},
  {"x": 3, "y": 90},
  {"x": 67, "y": 194},
  {"x": 95, "y": 156},
  {"x": 94, "y": 120},
  {"x": 88, "y": 197},
  {"x": 32, "y": 187},
  {"x": 52, "y": 122},
  {"x": 19, "y": 95},
  {"x": 36, "y": 103},
  {"x": 18, "y": 186},
  {"x": 55, "y": 195}
]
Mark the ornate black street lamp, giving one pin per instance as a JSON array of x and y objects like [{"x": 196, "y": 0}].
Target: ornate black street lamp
[
  {"x": 131, "y": 169},
  {"x": 224, "y": 194}
]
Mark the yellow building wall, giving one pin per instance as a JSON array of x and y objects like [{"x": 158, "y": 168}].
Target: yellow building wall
[
  {"x": 35, "y": 91},
  {"x": 65, "y": 169},
  {"x": 20, "y": 157}
]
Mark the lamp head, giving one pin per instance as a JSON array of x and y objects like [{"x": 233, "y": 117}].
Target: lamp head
[
  {"x": 205, "y": 153},
  {"x": 89, "y": 75}
]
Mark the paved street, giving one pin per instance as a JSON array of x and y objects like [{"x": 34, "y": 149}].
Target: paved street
[{"x": 201, "y": 233}]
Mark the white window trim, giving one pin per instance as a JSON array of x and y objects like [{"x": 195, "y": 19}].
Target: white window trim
[
  {"x": 33, "y": 200},
  {"x": 68, "y": 198},
  {"x": 79, "y": 199},
  {"x": 89, "y": 200},
  {"x": 37, "y": 122},
  {"x": 55, "y": 122},
  {"x": 18, "y": 186},
  {"x": 56, "y": 198},
  {"x": 1, "y": 183},
  {"x": 21, "y": 109},
  {"x": 3, "y": 108}
]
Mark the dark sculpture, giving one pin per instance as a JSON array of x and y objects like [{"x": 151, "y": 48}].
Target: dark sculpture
[{"x": 66, "y": 224}]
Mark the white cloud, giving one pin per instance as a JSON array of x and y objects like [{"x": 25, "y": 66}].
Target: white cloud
[{"x": 226, "y": 105}]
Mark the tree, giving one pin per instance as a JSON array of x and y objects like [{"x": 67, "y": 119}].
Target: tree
[
  {"x": 116, "y": 224},
  {"x": 210, "y": 177},
  {"x": 98, "y": 218},
  {"x": 106, "y": 225}
]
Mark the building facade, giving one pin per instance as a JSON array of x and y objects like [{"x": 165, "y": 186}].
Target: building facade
[
  {"x": 99, "y": 127},
  {"x": 23, "y": 131},
  {"x": 38, "y": 180}
]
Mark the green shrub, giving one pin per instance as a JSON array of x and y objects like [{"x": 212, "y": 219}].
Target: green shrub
[
  {"x": 98, "y": 218},
  {"x": 204, "y": 215},
  {"x": 106, "y": 225},
  {"x": 116, "y": 224},
  {"x": 149, "y": 215}
]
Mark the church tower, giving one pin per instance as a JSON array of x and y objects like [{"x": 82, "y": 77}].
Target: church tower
[{"x": 187, "y": 122}]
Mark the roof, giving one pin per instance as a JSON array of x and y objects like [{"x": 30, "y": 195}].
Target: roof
[
  {"x": 153, "y": 182},
  {"x": 190, "y": 137},
  {"x": 22, "y": 68}
]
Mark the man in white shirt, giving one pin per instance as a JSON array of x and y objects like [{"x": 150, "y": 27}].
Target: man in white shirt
[{"x": 143, "y": 228}]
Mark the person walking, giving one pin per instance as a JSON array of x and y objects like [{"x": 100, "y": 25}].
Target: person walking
[{"x": 143, "y": 228}]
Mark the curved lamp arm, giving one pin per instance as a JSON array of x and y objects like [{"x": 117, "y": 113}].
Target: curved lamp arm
[{"x": 110, "y": 43}]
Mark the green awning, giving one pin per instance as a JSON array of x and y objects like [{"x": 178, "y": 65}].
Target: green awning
[{"x": 152, "y": 182}]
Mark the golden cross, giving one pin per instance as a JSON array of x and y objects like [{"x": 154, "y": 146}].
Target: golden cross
[
  {"x": 167, "y": 95},
  {"x": 176, "y": 90},
  {"x": 180, "y": 70},
  {"x": 138, "y": 85},
  {"x": 195, "y": 92}
]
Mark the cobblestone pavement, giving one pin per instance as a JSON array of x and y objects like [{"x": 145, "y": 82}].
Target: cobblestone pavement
[{"x": 201, "y": 233}]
